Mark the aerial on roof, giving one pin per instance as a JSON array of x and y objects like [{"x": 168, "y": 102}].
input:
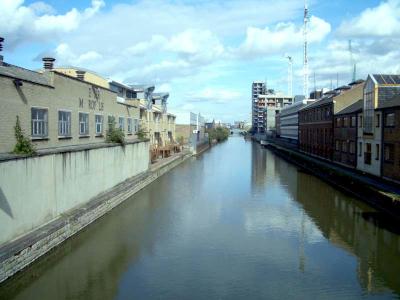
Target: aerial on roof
[
  {"x": 387, "y": 79},
  {"x": 12, "y": 71}
]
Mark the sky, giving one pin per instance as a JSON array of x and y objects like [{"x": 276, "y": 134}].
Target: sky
[{"x": 206, "y": 53}]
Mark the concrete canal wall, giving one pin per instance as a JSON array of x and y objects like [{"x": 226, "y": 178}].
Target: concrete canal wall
[
  {"x": 377, "y": 194},
  {"x": 47, "y": 199}
]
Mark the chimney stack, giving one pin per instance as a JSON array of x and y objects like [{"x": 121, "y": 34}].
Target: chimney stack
[
  {"x": 80, "y": 74},
  {"x": 48, "y": 63},
  {"x": 1, "y": 49}
]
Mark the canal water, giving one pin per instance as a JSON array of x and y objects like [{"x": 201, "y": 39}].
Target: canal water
[{"x": 237, "y": 222}]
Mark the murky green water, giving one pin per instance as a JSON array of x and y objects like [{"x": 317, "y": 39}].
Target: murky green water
[{"x": 236, "y": 223}]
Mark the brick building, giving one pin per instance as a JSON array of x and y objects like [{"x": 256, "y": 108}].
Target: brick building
[
  {"x": 379, "y": 90},
  {"x": 316, "y": 119},
  {"x": 345, "y": 135},
  {"x": 391, "y": 139},
  {"x": 316, "y": 128}
]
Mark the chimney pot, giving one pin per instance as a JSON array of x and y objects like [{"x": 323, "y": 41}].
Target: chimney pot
[
  {"x": 80, "y": 74},
  {"x": 48, "y": 63}
]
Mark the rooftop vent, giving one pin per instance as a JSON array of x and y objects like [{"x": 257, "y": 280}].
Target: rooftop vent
[
  {"x": 80, "y": 74},
  {"x": 1, "y": 49},
  {"x": 48, "y": 63}
]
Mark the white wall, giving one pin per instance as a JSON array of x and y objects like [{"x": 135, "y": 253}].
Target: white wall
[
  {"x": 375, "y": 167},
  {"x": 35, "y": 191}
]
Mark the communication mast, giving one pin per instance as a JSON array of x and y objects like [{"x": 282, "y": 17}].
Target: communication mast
[
  {"x": 290, "y": 76},
  {"x": 353, "y": 64},
  {"x": 305, "y": 58}
]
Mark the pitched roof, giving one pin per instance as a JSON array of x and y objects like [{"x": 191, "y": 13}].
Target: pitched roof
[
  {"x": 353, "y": 108},
  {"x": 387, "y": 79},
  {"x": 317, "y": 103},
  {"x": 15, "y": 72}
]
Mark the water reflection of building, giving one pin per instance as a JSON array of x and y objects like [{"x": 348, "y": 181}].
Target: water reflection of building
[
  {"x": 263, "y": 163},
  {"x": 349, "y": 224},
  {"x": 258, "y": 163}
]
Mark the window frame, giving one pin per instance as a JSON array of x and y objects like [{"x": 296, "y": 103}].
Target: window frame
[
  {"x": 123, "y": 123},
  {"x": 45, "y": 123},
  {"x": 86, "y": 133},
  {"x": 385, "y": 119},
  {"x": 70, "y": 123},
  {"x": 101, "y": 124},
  {"x": 129, "y": 123}
]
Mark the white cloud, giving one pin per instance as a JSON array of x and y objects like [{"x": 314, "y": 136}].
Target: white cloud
[
  {"x": 214, "y": 95},
  {"x": 380, "y": 21},
  {"x": 38, "y": 22},
  {"x": 282, "y": 37}
]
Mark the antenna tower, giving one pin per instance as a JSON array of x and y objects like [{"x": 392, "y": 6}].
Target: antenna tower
[
  {"x": 353, "y": 64},
  {"x": 290, "y": 76},
  {"x": 305, "y": 58}
]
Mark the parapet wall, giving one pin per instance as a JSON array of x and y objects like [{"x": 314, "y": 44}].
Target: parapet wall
[{"x": 37, "y": 190}]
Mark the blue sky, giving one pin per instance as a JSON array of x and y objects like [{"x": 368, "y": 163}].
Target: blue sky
[{"x": 205, "y": 53}]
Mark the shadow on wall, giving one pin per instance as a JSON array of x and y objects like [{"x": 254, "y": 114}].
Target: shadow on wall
[{"x": 4, "y": 205}]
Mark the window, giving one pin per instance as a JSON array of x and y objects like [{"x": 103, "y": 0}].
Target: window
[
  {"x": 130, "y": 125},
  {"x": 378, "y": 120},
  {"x": 39, "y": 118},
  {"x": 360, "y": 149},
  {"x": 367, "y": 154},
  {"x": 344, "y": 146},
  {"x": 369, "y": 97},
  {"x": 360, "y": 122},
  {"x": 377, "y": 152},
  {"x": 389, "y": 120},
  {"x": 99, "y": 124},
  {"x": 337, "y": 145},
  {"x": 64, "y": 123},
  {"x": 352, "y": 149},
  {"x": 338, "y": 122},
  {"x": 389, "y": 153},
  {"x": 353, "y": 121},
  {"x": 83, "y": 123},
  {"x": 136, "y": 125},
  {"x": 346, "y": 122},
  {"x": 121, "y": 122},
  {"x": 111, "y": 122}
]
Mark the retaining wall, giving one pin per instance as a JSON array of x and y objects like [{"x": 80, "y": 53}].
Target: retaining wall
[{"x": 20, "y": 253}]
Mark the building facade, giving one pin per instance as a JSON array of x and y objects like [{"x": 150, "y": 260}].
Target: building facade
[
  {"x": 379, "y": 89},
  {"x": 272, "y": 104},
  {"x": 257, "y": 88},
  {"x": 57, "y": 110},
  {"x": 69, "y": 106},
  {"x": 289, "y": 120},
  {"x": 345, "y": 135},
  {"x": 391, "y": 139},
  {"x": 316, "y": 128},
  {"x": 316, "y": 120}
]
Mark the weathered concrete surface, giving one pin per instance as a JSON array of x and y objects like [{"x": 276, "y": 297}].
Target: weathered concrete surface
[
  {"x": 38, "y": 190},
  {"x": 20, "y": 253}
]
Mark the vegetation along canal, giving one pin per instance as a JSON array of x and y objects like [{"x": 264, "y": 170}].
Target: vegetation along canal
[{"x": 237, "y": 222}]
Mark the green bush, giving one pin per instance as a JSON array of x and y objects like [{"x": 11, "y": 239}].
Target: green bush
[
  {"x": 219, "y": 134},
  {"x": 24, "y": 144},
  {"x": 141, "y": 134},
  {"x": 115, "y": 135}
]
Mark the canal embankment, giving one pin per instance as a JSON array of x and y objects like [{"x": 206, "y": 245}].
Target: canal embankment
[
  {"x": 48, "y": 198},
  {"x": 383, "y": 196}
]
